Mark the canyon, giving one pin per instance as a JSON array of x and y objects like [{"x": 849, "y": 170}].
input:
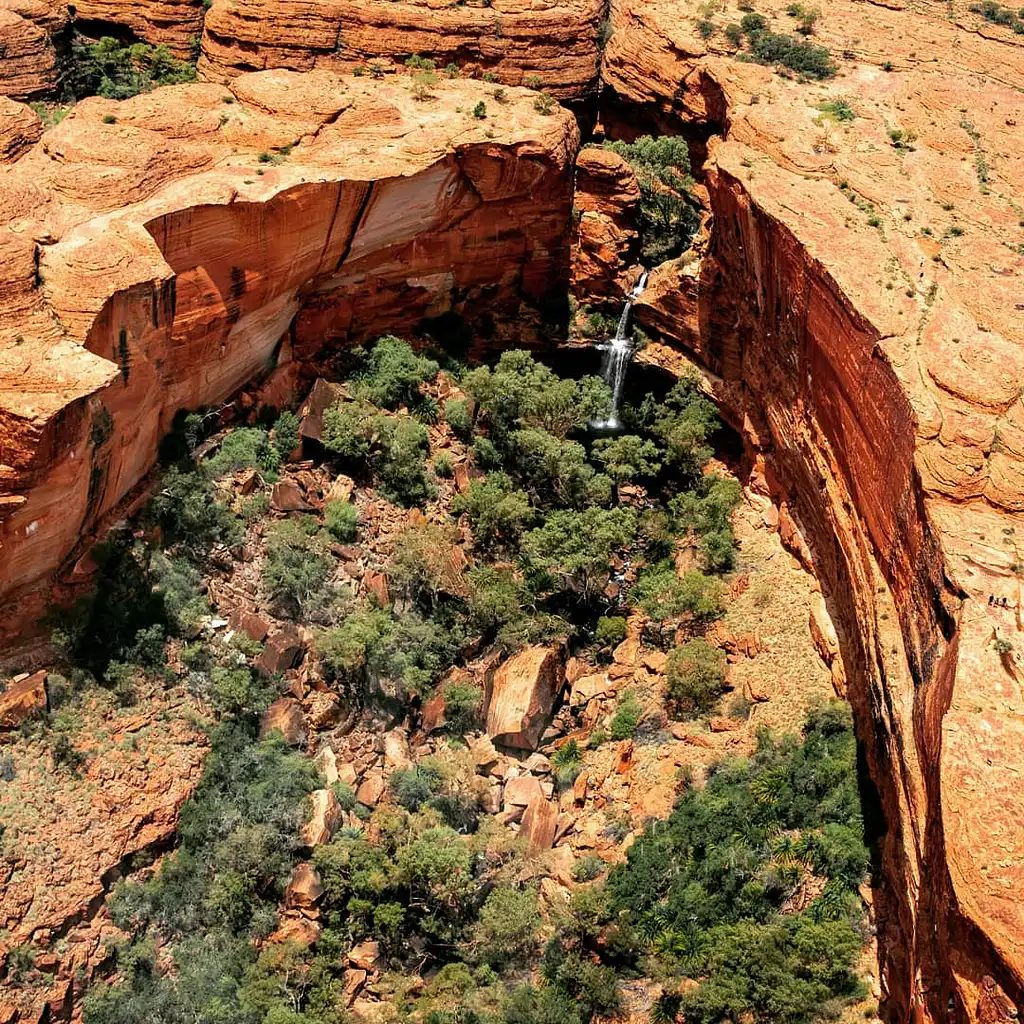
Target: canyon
[{"x": 854, "y": 298}]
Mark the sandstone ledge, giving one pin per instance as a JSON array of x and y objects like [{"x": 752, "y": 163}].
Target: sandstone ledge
[{"x": 159, "y": 262}]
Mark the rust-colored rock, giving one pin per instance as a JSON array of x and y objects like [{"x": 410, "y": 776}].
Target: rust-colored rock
[
  {"x": 521, "y": 696},
  {"x": 324, "y": 820},
  {"x": 20, "y": 127},
  {"x": 554, "y": 41},
  {"x": 21, "y": 700},
  {"x": 171, "y": 23},
  {"x": 29, "y": 64},
  {"x": 607, "y": 243},
  {"x": 286, "y": 496},
  {"x": 538, "y": 825},
  {"x": 283, "y": 650},
  {"x": 285, "y": 717},
  {"x": 172, "y": 269},
  {"x": 304, "y": 887}
]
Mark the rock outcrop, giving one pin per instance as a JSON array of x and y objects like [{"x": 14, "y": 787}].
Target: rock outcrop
[
  {"x": 553, "y": 41},
  {"x": 158, "y": 262},
  {"x": 860, "y": 312},
  {"x": 19, "y": 129},
  {"x": 606, "y": 242},
  {"x": 28, "y": 55}
]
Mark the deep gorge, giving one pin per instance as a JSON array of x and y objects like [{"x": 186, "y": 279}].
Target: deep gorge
[{"x": 812, "y": 373}]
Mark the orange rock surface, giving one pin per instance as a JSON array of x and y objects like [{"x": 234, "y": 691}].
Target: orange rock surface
[
  {"x": 554, "y": 40},
  {"x": 19, "y": 128},
  {"x": 159, "y": 262},
  {"x": 28, "y": 58},
  {"x": 860, "y": 310}
]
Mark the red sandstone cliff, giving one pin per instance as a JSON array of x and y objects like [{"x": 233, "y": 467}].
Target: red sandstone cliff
[
  {"x": 156, "y": 264},
  {"x": 860, "y": 311}
]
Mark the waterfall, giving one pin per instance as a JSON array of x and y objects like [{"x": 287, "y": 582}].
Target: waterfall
[{"x": 617, "y": 353}]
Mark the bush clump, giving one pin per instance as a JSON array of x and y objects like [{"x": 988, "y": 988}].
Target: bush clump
[{"x": 695, "y": 676}]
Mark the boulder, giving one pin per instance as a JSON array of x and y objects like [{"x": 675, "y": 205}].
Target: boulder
[
  {"x": 286, "y": 496},
  {"x": 305, "y": 887},
  {"x": 365, "y": 956},
  {"x": 285, "y": 716},
  {"x": 396, "y": 749},
  {"x": 376, "y": 586},
  {"x": 311, "y": 413},
  {"x": 296, "y": 927},
  {"x": 371, "y": 790},
  {"x": 284, "y": 650},
  {"x": 324, "y": 820},
  {"x": 519, "y": 792},
  {"x": 521, "y": 696},
  {"x": 254, "y": 626},
  {"x": 23, "y": 699},
  {"x": 351, "y": 982},
  {"x": 341, "y": 489},
  {"x": 538, "y": 825}
]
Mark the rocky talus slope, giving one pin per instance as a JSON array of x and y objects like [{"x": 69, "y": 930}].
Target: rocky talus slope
[
  {"x": 158, "y": 253},
  {"x": 858, "y": 303}
]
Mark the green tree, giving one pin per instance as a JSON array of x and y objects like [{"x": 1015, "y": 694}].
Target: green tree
[
  {"x": 498, "y": 513},
  {"x": 507, "y": 930},
  {"x": 575, "y": 548},
  {"x": 393, "y": 374},
  {"x": 663, "y": 594},
  {"x": 341, "y": 520},
  {"x": 296, "y": 568},
  {"x": 628, "y": 456}
]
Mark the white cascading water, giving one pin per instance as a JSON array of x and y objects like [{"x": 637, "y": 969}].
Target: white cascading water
[{"x": 617, "y": 353}]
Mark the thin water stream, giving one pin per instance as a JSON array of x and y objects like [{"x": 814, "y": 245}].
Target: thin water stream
[{"x": 618, "y": 352}]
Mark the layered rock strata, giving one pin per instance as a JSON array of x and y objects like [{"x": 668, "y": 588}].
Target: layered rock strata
[
  {"x": 860, "y": 312},
  {"x": 28, "y": 55},
  {"x": 176, "y": 24},
  {"x": 158, "y": 262},
  {"x": 555, "y": 41}
]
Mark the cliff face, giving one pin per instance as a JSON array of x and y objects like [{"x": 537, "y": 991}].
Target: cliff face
[
  {"x": 157, "y": 264},
  {"x": 859, "y": 310},
  {"x": 554, "y": 40}
]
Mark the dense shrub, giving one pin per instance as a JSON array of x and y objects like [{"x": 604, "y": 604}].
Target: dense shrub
[
  {"x": 341, "y": 520},
  {"x": 458, "y": 417},
  {"x": 393, "y": 374},
  {"x": 707, "y": 510},
  {"x": 116, "y": 71},
  {"x": 555, "y": 471},
  {"x": 610, "y": 630},
  {"x": 707, "y": 885},
  {"x": 400, "y": 464},
  {"x": 574, "y": 549},
  {"x": 296, "y": 567},
  {"x": 245, "y": 448},
  {"x": 520, "y": 392},
  {"x": 695, "y": 674},
  {"x": 186, "y": 509},
  {"x": 663, "y": 594},
  {"x": 286, "y": 434},
  {"x": 507, "y": 931},
  {"x": 372, "y": 649},
  {"x": 626, "y": 718},
  {"x": 628, "y": 456},
  {"x": 498, "y": 512}
]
